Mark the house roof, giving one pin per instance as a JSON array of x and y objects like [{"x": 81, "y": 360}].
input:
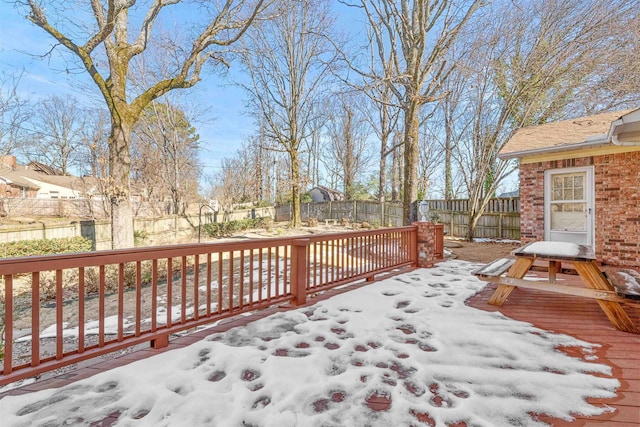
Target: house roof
[
  {"x": 568, "y": 134},
  {"x": 27, "y": 177},
  {"x": 17, "y": 179},
  {"x": 42, "y": 168},
  {"x": 329, "y": 194}
]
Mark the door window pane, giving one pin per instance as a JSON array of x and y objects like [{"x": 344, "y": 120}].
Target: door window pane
[{"x": 568, "y": 202}]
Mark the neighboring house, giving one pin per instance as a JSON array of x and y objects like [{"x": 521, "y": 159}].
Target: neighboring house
[
  {"x": 324, "y": 194},
  {"x": 13, "y": 185},
  {"x": 580, "y": 182},
  {"x": 509, "y": 194},
  {"x": 40, "y": 181}
]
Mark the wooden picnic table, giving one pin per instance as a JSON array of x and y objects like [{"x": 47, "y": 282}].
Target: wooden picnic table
[{"x": 554, "y": 254}]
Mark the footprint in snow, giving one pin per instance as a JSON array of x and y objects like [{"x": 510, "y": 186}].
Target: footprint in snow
[
  {"x": 250, "y": 375},
  {"x": 217, "y": 376},
  {"x": 402, "y": 304}
]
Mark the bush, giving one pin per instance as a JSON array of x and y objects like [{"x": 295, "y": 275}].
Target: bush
[
  {"x": 139, "y": 236},
  {"x": 45, "y": 247},
  {"x": 225, "y": 229}
]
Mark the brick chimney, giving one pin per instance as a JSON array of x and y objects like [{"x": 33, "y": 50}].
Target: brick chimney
[{"x": 9, "y": 161}]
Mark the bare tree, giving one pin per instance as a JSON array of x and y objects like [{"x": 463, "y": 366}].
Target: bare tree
[
  {"x": 112, "y": 39},
  {"x": 14, "y": 113},
  {"x": 95, "y": 160},
  {"x": 383, "y": 117},
  {"x": 529, "y": 65},
  {"x": 412, "y": 38},
  {"x": 166, "y": 160},
  {"x": 55, "y": 133},
  {"x": 430, "y": 155},
  {"x": 288, "y": 60},
  {"x": 235, "y": 185},
  {"x": 347, "y": 154}
]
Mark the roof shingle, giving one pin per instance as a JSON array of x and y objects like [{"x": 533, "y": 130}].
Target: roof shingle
[{"x": 561, "y": 133}]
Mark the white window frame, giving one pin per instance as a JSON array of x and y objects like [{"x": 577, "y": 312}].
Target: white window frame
[{"x": 590, "y": 199}]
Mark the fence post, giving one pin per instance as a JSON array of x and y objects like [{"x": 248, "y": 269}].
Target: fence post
[
  {"x": 439, "y": 241},
  {"x": 299, "y": 271},
  {"x": 451, "y": 232}
]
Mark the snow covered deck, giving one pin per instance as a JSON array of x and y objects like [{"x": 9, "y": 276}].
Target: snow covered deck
[
  {"x": 581, "y": 318},
  {"x": 409, "y": 350}
]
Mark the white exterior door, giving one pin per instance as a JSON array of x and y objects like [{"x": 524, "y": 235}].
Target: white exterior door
[{"x": 568, "y": 205}]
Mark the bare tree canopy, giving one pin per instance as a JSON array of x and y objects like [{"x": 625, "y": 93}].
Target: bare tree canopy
[
  {"x": 532, "y": 64},
  {"x": 108, "y": 39},
  {"x": 55, "y": 134},
  {"x": 411, "y": 39},
  {"x": 347, "y": 153},
  {"x": 14, "y": 113},
  {"x": 165, "y": 158},
  {"x": 288, "y": 60}
]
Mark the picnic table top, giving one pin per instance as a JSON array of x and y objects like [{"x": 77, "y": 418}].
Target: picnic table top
[{"x": 556, "y": 250}]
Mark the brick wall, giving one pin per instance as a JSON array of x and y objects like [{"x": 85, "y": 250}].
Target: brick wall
[
  {"x": 617, "y": 204},
  {"x": 12, "y": 191}
]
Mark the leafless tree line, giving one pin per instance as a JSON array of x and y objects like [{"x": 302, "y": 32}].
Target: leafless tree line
[
  {"x": 72, "y": 139},
  {"x": 434, "y": 89},
  {"x": 415, "y": 98}
]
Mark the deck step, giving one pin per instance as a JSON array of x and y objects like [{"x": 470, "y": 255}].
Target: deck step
[
  {"x": 494, "y": 268},
  {"x": 625, "y": 281}
]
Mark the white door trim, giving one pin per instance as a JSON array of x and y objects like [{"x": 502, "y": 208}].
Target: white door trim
[{"x": 590, "y": 198}]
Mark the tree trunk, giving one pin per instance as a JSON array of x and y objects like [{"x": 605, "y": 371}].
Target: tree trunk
[
  {"x": 395, "y": 176},
  {"x": 474, "y": 216},
  {"x": 382, "y": 181},
  {"x": 119, "y": 189},
  {"x": 295, "y": 189},
  {"x": 448, "y": 153},
  {"x": 411, "y": 158}
]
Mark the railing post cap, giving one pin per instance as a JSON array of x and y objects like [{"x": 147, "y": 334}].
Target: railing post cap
[{"x": 301, "y": 242}]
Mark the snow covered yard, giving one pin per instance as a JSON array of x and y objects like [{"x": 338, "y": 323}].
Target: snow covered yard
[{"x": 403, "y": 351}]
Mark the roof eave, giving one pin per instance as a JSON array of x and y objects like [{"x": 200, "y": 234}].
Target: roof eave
[
  {"x": 595, "y": 143},
  {"x": 628, "y": 123}
]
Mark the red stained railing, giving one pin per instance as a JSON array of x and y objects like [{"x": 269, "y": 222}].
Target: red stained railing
[{"x": 63, "y": 309}]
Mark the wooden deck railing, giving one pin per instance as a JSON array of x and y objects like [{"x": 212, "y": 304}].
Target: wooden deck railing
[{"x": 63, "y": 309}]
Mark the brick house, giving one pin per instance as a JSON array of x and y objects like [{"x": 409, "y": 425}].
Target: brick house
[
  {"x": 36, "y": 180},
  {"x": 580, "y": 182},
  {"x": 12, "y": 184}
]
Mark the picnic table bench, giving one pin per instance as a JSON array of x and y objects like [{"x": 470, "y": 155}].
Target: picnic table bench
[{"x": 598, "y": 286}]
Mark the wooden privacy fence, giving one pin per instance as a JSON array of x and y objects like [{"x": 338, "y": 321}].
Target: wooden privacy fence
[
  {"x": 501, "y": 220},
  {"x": 375, "y": 213},
  {"x": 62, "y": 309}
]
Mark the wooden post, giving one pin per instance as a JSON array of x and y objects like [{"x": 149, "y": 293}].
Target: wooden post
[
  {"x": 8, "y": 324},
  {"x": 160, "y": 341},
  {"x": 413, "y": 247},
  {"x": 555, "y": 267},
  {"x": 517, "y": 270},
  {"x": 299, "y": 271},
  {"x": 451, "y": 232},
  {"x": 593, "y": 277}
]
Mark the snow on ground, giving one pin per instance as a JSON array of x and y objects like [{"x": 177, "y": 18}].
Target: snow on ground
[{"x": 409, "y": 338}]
